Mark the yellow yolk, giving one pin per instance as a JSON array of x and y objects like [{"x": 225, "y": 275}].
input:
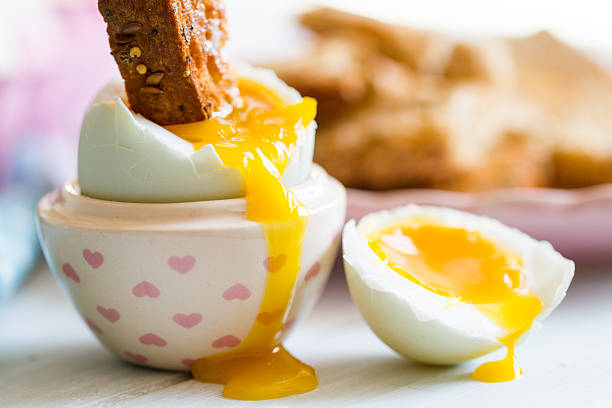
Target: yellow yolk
[
  {"x": 258, "y": 139},
  {"x": 464, "y": 266}
]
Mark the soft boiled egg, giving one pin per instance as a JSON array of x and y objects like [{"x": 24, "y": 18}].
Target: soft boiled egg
[
  {"x": 257, "y": 149},
  {"x": 441, "y": 286},
  {"x": 126, "y": 157}
]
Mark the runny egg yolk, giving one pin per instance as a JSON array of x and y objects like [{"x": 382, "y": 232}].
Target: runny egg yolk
[
  {"x": 466, "y": 267},
  {"x": 258, "y": 139}
]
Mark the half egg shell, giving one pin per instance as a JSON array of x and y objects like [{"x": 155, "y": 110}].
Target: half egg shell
[{"x": 424, "y": 326}]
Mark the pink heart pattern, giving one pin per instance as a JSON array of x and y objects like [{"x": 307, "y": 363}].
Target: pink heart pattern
[
  {"x": 238, "y": 291},
  {"x": 152, "y": 339},
  {"x": 267, "y": 318},
  {"x": 187, "y": 321},
  {"x": 71, "y": 273},
  {"x": 94, "y": 259},
  {"x": 145, "y": 288},
  {"x": 188, "y": 362},
  {"x": 109, "y": 314},
  {"x": 289, "y": 324},
  {"x": 182, "y": 265},
  {"x": 54, "y": 196},
  {"x": 94, "y": 327},
  {"x": 139, "y": 358},
  {"x": 313, "y": 271},
  {"x": 275, "y": 263},
  {"x": 226, "y": 341}
]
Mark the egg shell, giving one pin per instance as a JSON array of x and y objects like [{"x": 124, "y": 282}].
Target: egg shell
[
  {"x": 120, "y": 153},
  {"x": 427, "y": 327},
  {"x": 163, "y": 284}
]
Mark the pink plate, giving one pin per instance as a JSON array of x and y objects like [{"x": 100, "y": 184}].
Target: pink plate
[{"x": 577, "y": 222}]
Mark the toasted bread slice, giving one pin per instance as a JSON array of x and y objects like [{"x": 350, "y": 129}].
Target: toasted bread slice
[
  {"x": 407, "y": 108},
  {"x": 333, "y": 72},
  {"x": 578, "y": 94},
  {"x": 422, "y": 51},
  {"x": 470, "y": 138},
  {"x": 170, "y": 56},
  {"x": 384, "y": 147}
]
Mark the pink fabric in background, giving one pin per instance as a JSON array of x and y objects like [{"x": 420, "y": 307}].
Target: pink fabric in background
[{"x": 45, "y": 102}]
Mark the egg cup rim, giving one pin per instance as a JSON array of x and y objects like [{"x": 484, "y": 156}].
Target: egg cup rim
[{"x": 67, "y": 207}]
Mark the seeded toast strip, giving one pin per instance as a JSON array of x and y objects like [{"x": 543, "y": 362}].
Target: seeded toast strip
[{"x": 169, "y": 53}]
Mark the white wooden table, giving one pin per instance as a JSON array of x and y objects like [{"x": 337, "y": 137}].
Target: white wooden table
[{"x": 48, "y": 358}]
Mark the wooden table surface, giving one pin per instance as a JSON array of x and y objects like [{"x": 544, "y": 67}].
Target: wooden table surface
[{"x": 48, "y": 358}]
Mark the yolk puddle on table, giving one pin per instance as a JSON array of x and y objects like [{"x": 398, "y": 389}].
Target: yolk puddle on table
[
  {"x": 464, "y": 266},
  {"x": 258, "y": 139}
]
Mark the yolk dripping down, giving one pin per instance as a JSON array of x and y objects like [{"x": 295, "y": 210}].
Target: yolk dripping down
[
  {"x": 258, "y": 139},
  {"x": 464, "y": 266}
]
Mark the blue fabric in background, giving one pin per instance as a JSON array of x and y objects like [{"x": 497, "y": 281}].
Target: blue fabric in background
[
  {"x": 25, "y": 180},
  {"x": 18, "y": 242}
]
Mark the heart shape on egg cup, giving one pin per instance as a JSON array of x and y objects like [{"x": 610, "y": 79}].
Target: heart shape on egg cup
[{"x": 160, "y": 311}]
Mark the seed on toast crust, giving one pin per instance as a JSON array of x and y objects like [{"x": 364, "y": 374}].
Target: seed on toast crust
[{"x": 170, "y": 55}]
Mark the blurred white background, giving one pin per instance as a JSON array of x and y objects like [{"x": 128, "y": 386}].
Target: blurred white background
[
  {"x": 586, "y": 23},
  {"x": 261, "y": 29}
]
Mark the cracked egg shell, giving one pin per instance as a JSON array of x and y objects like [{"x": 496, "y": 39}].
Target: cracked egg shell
[
  {"x": 430, "y": 328},
  {"x": 125, "y": 157}
]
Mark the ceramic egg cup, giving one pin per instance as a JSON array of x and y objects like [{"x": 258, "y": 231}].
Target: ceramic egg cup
[{"x": 164, "y": 284}]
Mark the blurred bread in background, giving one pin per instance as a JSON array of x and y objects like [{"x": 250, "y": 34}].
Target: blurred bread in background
[
  {"x": 578, "y": 94},
  {"x": 402, "y": 108}
]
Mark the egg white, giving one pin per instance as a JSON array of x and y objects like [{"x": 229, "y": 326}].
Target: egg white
[
  {"x": 126, "y": 157},
  {"x": 427, "y": 327}
]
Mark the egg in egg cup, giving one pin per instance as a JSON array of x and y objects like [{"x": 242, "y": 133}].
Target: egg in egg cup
[{"x": 199, "y": 232}]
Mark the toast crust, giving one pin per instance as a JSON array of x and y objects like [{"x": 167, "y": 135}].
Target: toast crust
[{"x": 170, "y": 55}]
